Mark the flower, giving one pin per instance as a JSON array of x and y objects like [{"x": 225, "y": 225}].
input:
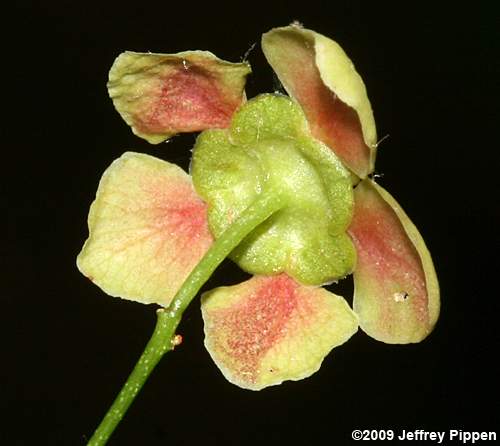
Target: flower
[{"x": 151, "y": 223}]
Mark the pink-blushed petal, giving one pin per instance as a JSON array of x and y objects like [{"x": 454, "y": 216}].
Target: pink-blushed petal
[
  {"x": 160, "y": 95},
  {"x": 396, "y": 292},
  {"x": 271, "y": 329},
  {"x": 148, "y": 229},
  {"x": 318, "y": 74}
]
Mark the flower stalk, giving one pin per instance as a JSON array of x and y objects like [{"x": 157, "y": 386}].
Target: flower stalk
[{"x": 163, "y": 338}]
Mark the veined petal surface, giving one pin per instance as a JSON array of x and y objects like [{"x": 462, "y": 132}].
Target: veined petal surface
[{"x": 147, "y": 230}]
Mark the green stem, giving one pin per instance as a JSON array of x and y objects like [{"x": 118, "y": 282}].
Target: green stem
[
  {"x": 163, "y": 339},
  {"x": 159, "y": 344}
]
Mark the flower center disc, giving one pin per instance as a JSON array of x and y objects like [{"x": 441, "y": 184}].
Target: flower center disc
[{"x": 269, "y": 150}]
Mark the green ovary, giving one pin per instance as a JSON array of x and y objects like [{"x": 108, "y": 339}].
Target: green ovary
[{"x": 269, "y": 150}]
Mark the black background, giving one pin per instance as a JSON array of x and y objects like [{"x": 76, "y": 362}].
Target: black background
[{"x": 430, "y": 75}]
